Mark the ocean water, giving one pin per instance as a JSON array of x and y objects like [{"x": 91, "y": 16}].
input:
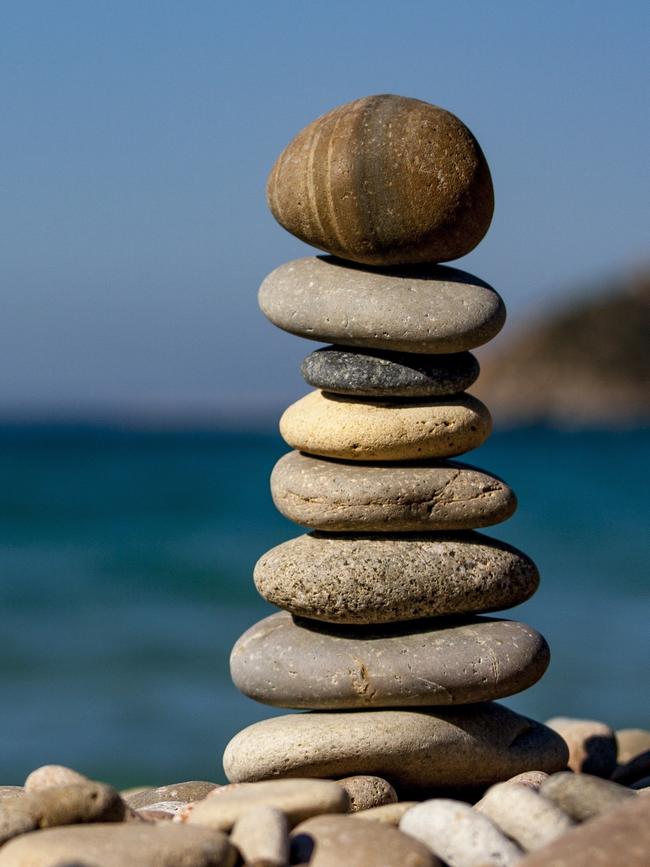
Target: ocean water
[{"x": 126, "y": 578}]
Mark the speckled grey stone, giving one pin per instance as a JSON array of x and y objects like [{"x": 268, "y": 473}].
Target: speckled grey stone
[
  {"x": 373, "y": 578},
  {"x": 329, "y": 494},
  {"x": 524, "y": 815},
  {"x": 377, "y": 373},
  {"x": 431, "y": 309},
  {"x": 305, "y": 664},
  {"x": 582, "y": 796},
  {"x": 477, "y": 744}
]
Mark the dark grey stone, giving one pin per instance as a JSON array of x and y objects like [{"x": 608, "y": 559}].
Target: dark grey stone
[
  {"x": 377, "y": 373},
  {"x": 305, "y": 664}
]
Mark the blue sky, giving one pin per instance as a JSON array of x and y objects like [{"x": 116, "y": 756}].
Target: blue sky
[{"x": 136, "y": 140}]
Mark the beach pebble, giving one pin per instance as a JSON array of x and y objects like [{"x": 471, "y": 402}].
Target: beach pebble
[
  {"x": 193, "y": 790},
  {"x": 524, "y": 815},
  {"x": 384, "y": 179},
  {"x": 531, "y": 779},
  {"x": 331, "y": 495},
  {"x": 52, "y": 775},
  {"x": 306, "y": 664},
  {"x": 366, "y": 792},
  {"x": 297, "y": 798},
  {"x": 333, "y": 841},
  {"x": 388, "y": 814},
  {"x": 119, "y": 845},
  {"x": 635, "y": 769},
  {"x": 430, "y": 310},
  {"x": 631, "y": 743},
  {"x": 473, "y": 745},
  {"x": 15, "y": 820},
  {"x": 378, "y": 373},
  {"x": 582, "y": 796},
  {"x": 11, "y": 792},
  {"x": 619, "y": 837},
  {"x": 459, "y": 835},
  {"x": 337, "y": 426},
  {"x": 384, "y": 578},
  {"x": 592, "y": 745},
  {"x": 262, "y": 837},
  {"x": 162, "y": 809}
]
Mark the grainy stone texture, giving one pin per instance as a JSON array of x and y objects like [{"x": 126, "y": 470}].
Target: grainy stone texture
[
  {"x": 384, "y": 180},
  {"x": 388, "y": 814},
  {"x": 10, "y": 792},
  {"x": 326, "y": 494},
  {"x": 430, "y": 310},
  {"x": 161, "y": 809},
  {"x": 631, "y": 742},
  {"x": 524, "y": 815},
  {"x": 620, "y": 837},
  {"x": 477, "y": 744},
  {"x": 377, "y": 373},
  {"x": 262, "y": 837},
  {"x": 52, "y": 775},
  {"x": 531, "y": 779},
  {"x": 339, "y": 427},
  {"x": 192, "y": 790},
  {"x": 459, "y": 835},
  {"x": 384, "y": 579},
  {"x": 366, "y": 792},
  {"x": 582, "y": 796},
  {"x": 331, "y": 841},
  {"x": 305, "y": 664},
  {"x": 144, "y": 845},
  {"x": 297, "y": 798},
  {"x": 592, "y": 745}
]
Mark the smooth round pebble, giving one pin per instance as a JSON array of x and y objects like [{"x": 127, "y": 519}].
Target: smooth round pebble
[
  {"x": 384, "y": 179},
  {"x": 524, "y": 815},
  {"x": 474, "y": 745},
  {"x": 582, "y": 796},
  {"x": 118, "y": 845},
  {"x": 376, "y": 373},
  {"x": 330, "y": 495},
  {"x": 366, "y": 792},
  {"x": 385, "y": 579},
  {"x": 331, "y": 841},
  {"x": 297, "y": 798},
  {"x": 304, "y": 664},
  {"x": 631, "y": 743},
  {"x": 592, "y": 745},
  {"x": 459, "y": 835},
  {"x": 335, "y": 426},
  {"x": 619, "y": 837},
  {"x": 531, "y": 779},
  {"x": 429, "y": 310},
  {"x": 262, "y": 837},
  {"x": 52, "y": 775}
]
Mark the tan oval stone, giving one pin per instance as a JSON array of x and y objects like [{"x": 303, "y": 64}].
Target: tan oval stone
[
  {"x": 366, "y": 792},
  {"x": 384, "y": 579},
  {"x": 262, "y": 837},
  {"x": 619, "y": 837},
  {"x": 582, "y": 796},
  {"x": 336, "y": 426},
  {"x": 331, "y": 841},
  {"x": 118, "y": 845},
  {"x": 192, "y": 790},
  {"x": 326, "y": 494},
  {"x": 304, "y": 664},
  {"x": 524, "y": 815},
  {"x": 592, "y": 745},
  {"x": 474, "y": 745},
  {"x": 430, "y": 310},
  {"x": 384, "y": 180},
  {"x": 297, "y": 798},
  {"x": 631, "y": 743},
  {"x": 10, "y": 792},
  {"x": 52, "y": 775}
]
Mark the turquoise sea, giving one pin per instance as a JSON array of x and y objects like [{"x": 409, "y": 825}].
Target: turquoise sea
[{"x": 126, "y": 578}]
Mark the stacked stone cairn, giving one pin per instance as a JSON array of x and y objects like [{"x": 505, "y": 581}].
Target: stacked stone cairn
[{"x": 383, "y": 636}]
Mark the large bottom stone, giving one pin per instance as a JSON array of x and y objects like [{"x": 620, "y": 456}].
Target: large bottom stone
[
  {"x": 477, "y": 745},
  {"x": 306, "y": 664}
]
